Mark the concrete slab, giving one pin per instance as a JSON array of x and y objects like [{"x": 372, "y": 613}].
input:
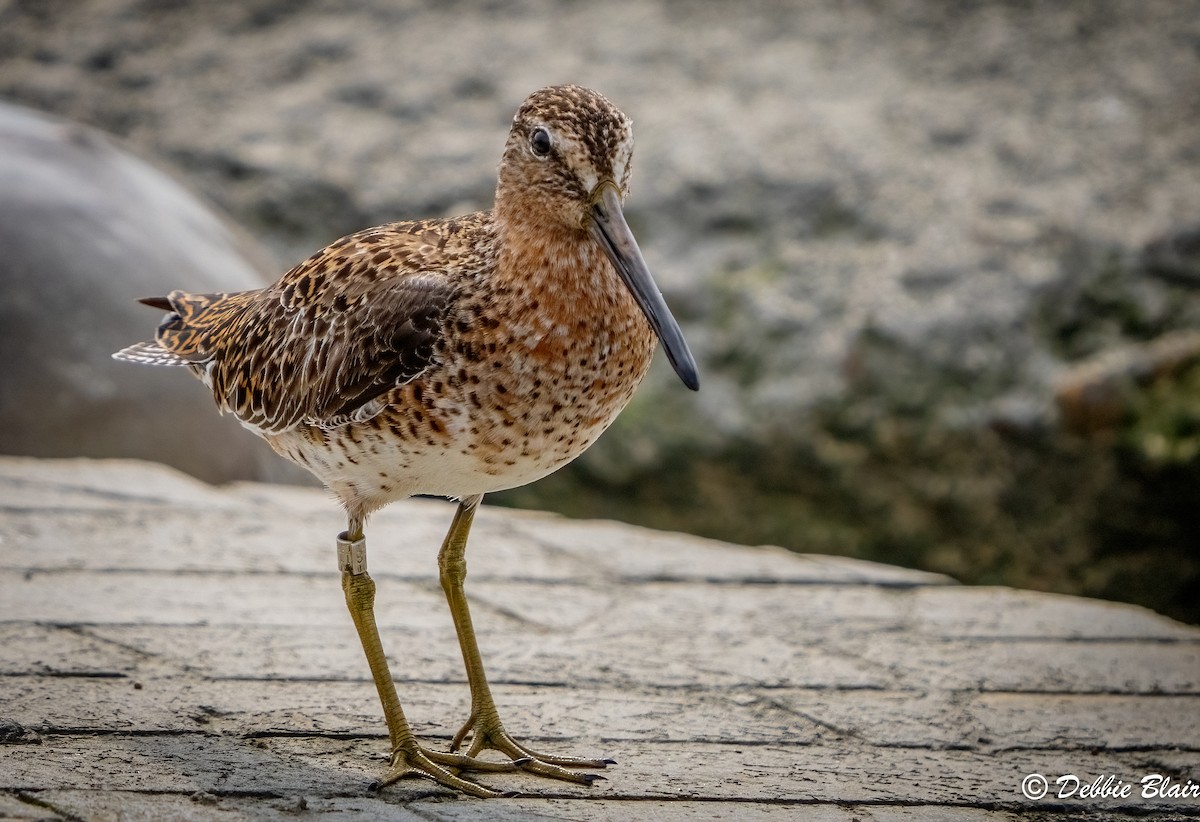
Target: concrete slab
[{"x": 173, "y": 650}]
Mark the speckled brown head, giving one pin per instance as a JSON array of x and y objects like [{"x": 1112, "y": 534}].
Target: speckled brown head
[
  {"x": 564, "y": 141},
  {"x": 566, "y": 167}
]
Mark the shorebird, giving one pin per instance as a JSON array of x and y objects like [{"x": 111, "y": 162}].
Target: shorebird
[{"x": 448, "y": 357}]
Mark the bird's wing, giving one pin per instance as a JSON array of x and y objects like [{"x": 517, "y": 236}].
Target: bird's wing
[{"x": 328, "y": 341}]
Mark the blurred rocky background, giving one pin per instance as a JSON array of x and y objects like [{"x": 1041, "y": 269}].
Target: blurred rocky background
[{"x": 939, "y": 260}]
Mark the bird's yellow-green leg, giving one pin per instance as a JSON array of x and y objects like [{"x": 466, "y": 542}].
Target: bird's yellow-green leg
[
  {"x": 483, "y": 725},
  {"x": 408, "y": 757}
]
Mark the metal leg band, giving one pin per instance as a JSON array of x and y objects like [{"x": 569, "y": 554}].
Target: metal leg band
[{"x": 352, "y": 554}]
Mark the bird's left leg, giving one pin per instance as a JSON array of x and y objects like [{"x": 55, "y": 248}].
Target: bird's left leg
[{"x": 483, "y": 725}]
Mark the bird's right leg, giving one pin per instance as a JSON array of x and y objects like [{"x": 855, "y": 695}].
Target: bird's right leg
[{"x": 408, "y": 757}]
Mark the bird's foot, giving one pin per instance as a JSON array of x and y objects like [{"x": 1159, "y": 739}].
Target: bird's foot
[
  {"x": 416, "y": 761},
  {"x": 490, "y": 735}
]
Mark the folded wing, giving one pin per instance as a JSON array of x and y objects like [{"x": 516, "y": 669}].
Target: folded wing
[{"x": 323, "y": 346}]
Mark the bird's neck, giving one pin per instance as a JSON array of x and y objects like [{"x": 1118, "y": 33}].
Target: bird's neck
[
  {"x": 560, "y": 278},
  {"x": 553, "y": 257}
]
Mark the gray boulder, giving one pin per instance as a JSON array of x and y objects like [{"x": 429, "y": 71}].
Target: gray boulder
[{"x": 86, "y": 229}]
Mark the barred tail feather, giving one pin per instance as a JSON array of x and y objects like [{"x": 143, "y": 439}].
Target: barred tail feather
[{"x": 149, "y": 353}]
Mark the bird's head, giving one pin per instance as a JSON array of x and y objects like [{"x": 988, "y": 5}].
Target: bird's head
[
  {"x": 566, "y": 166},
  {"x": 565, "y": 142}
]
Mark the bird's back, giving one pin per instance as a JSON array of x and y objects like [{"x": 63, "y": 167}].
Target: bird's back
[{"x": 324, "y": 343}]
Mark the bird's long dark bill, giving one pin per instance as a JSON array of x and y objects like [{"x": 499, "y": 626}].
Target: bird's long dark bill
[{"x": 610, "y": 229}]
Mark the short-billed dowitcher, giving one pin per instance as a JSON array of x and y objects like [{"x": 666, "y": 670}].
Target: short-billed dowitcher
[{"x": 450, "y": 357}]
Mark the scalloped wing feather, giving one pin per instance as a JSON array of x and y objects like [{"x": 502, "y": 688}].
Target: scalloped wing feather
[{"x": 327, "y": 342}]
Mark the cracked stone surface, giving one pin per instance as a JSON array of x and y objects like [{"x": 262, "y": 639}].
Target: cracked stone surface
[{"x": 170, "y": 649}]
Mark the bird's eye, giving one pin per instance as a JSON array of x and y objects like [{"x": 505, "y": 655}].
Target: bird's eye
[{"x": 539, "y": 141}]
